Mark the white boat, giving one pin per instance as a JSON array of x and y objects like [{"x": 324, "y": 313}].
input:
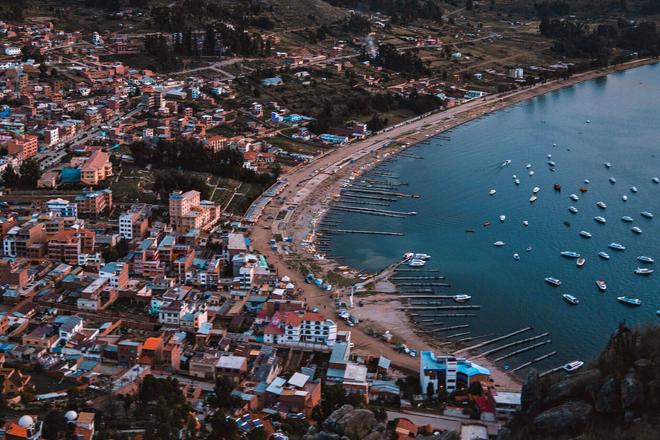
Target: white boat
[
  {"x": 617, "y": 246},
  {"x": 570, "y": 254},
  {"x": 646, "y": 214},
  {"x": 601, "y": 285},
  {"x": 525, "y": 223},
  {"x": 506, "y": 162},
  {"x": 571, "y": 299},
  {"x": 604, "y": 255},
  {"x": 612, "y": 180},
  {"x": 574, "y": 197},
  {"x": 629, "y": 301},
  {"x": 408, "y": 255},
  {"x": 608, "y": 165},
  {"x": 624, "y": 198},
  {"x": 499, "y": 243},
  {"x": 643, "y": 271},
  {"x": 645, "y": 259},
  {"x": 656, "y": 180},
  {"x": 514, "y": 177},
  {"x": 572, "y": 366},
  {"x": 502, "y": 218},
  {"x": 586, "y": 181},
  {"x": 573, "y": 209},
  {"x": 516, "y": 257},
  {"x": 533, "y": 199},
  {"x": 416, "y": 263},
  {"x": 601, "y": 205},
  {"x": 462, "y": 298},
  {"x": 636, "y": 230},
  {"x": 531, "y": 172},
  {"x": 422, "y": 256},
  {"x": 588, "y": 121},
  {"x": 529, "y": 249},
  {"x": 553, "y": 281},
  {"x": 551, "y": 163},
  {"x": 633, "y": 189},
  {"x": 581, "y": 261},
  {"x": 536, "y": 189},
  {"x": 600, "y": 219},
  {"x": 585, "y": 234},
  {"x": 550, "y": 155},
  {"x": 517, "y": 181},
  {"x": 528, "y": 166},
  {"x": 627, "y": 219},
  {"x": 492, "y": 192}
]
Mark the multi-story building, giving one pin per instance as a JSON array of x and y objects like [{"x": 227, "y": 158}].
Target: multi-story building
[
  {"x": 62, "y": 208},
  {"x": 187, "y": 211},
  {"x": 27, "y": 241},
  {"x": 116, "y": 273},
  {"x": 96, "y": 169},
  {"x": 293, "y": 328},
  {"x": 146, "y": 259},
  {"x": 51, "y": 136},
  {"x": 67, "y": 245},
  {"x": 94, "y": 202},
  {"x": 448, "y": 372},
  {"x": 23, "y": 147},
  {"x": 134, "y": 223}
]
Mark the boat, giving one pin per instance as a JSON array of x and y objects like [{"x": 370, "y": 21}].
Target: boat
[
  {"x": 492, "y": 192},
  {"x": 571, "y": 299},
  {"x": 506, "y": 162},
  {"x": 588, "y": 121},
  {"x": 601, "y": 205},
  {"x": 557, "y": 187},
  {"x": 627, "y": 219},
  {"x": 656, "y": 180},
  {"x": 525, "y": 223},
  {"x": 604, "y": 255},
  {"x": 570, "y": 254},
  {"x": 528, "y": 166},
  {"x": 617, "y": 246},
  {"x": 633, "y": 189},
  {"x": 422, "y": 256},
  {"x": 629, "y": 301},
  {"x": 567, "y": 224},
  {"x": 529, "y": 249},
  {"x": 462, "y": 298},
  {"x": 608, "y": 165},
  {"x": 471, "y": 231},
  {"x": 573, "y": 209},
  {"x": 516, "y": 257},
  {"x": 499, "y": 243},
  {"x": 586, "y": 181},
  {"x": 551, "y": 163},
  {"x": 502, "y": 218},
  {"x": 531, "y": 172},
  {"x": 572, "y": 366},
  {"x": 536, "y": 189},
  {"x": 612, "y": 180},
  {"x": 624, "y": 198},
  {"x": 583, "y": 189},
  {"x": 601, "y": 285},
  {"x": 553, "y": 281},
  {"x": 581, "y": 262},
  {"x": 408, "y": 255},
  {"x": 643, "y": 271},
  {"x": 486, "y": 224},
  {"x": 550, "y": 155},
  {"x": 645, "y": 259},
  {"x": 574, "y": 197},
  {"x": 600, "y": 219},
  {"x": 416, "y": 263},
  {"x": 533, "y": 199},
  {"x": 585, "y": 234},
  {"x": 517, "y": 181},
  {"x": 514, "y": 177},
  {"x": 636, "y": 230},
  {"x": 646, "y": 214}
]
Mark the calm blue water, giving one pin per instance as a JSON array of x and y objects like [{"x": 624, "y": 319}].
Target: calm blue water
[{"x": 453, "y": 181}]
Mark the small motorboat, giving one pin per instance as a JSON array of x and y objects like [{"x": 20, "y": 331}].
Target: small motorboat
[
  {"x": 636, "y": 230},
  {"x": 486, "y": 224},
  {"x": 585, "y": 234},
  {"x": 583, "y": 189},
  {"x": 570, "y": 254},
  {"x": 422, "y": 256},
  {"x": 572, "y": 366},
  {"x": 602, "y": 286},
  {"x": 587, "y": 181},
  {"x": 498, "y": 243},
  {"x": 528, "y": 166},
  {"x": 462, "y": 298},
  {"x": 617, "y": 246},
  {"x": 502, "y": 218},
  {"x": 574, "y": 197},
  {"x": 581, "y": 262},
  {"x": 567, "y": 224},
  {"x": 531, "y": 172},
  {"x": 624, "y": 198},
  {"x": 601, "y": 205},
  {"x": 536, "y": 189},
  {"x": 600, "y": 219},
  {"x": 588, "y": 121},
  {"x": 517, "y": 181},
  {"x": 529, "y": 249},
  {"x": 533, "y": 199},
  {"x": 514, "y": 177},
  {"x": 573, "y": 209},
  {"x": 608, "y": 165},
  {"x": 612, "y": 180},
  {"x": 643, "y": 271},
  {"x": 629, "y": 301},
  {"x": 633, "y": 189},
  {"x": 656, "y": 180},
  {"x": 416, "y": 263},
  {"x": 492, "y": 192},
  {"x": 571, "y": 299},
  {"x": 470, "y": 231},
  {"x": 646, "y": 214},
  {"x": 551, "y": 163},
  {"x": 645, "y": 259},
  {"x": 516, "y": 257},
  {"x": 557, "y": 187},
  {"x": 525, "y": 223},
  {"x": 627, "y": 219},
  {"x": 604, "y": 255},
  {"x": 550, "y": 155},
  {"x": 506, "y": 162},
  {"x": 553, "y": 281}
]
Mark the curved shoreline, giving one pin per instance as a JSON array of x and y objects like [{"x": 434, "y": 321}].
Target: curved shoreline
[{"x": 312, "y": 186}]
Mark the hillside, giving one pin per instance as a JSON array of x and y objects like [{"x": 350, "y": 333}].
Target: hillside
[
  {"x": 301, "y": 13},
  {"x": 617, "y": 397}
]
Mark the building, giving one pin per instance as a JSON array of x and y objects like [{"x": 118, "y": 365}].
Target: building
[
  {"x": 96, "y": 169},
  {"x": 134, "y": 223},
  {"x": 448, "y": 373},
  {"x": 187, "y": 211},
  {"x": 25, "y": 428},
  {"x": 62, "y": 208},
  {"x": 231, "y": 367},
  {"x": 300, "y": 328},
  {"x": 94, "y": 202},
  {"x": 116, "y": 273},
  {"x": 23, "y": 147},
  {"x": 51, "y": 136},
  {"x": 67, "y": 245}
]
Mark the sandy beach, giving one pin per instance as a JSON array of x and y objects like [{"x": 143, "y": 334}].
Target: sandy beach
[{"x": 311, "y": 187}]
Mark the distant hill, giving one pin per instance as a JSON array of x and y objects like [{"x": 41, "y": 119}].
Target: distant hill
[{"x": 301, "y": 13}]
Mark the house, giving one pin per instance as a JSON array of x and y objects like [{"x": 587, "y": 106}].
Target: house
[
  {"x": 231, "y": 367},
  {"x": 25, "y": 428},
  {"x": 448, "y": 372},
  {"x": 14, "y": 382},
  {"x": 96, "y": 169},
  {"x": 293, "y": 328}
]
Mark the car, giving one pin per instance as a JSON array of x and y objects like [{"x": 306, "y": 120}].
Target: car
[
  {"x": 350, "y": 324},
  {"x": 315, "y": 309}
]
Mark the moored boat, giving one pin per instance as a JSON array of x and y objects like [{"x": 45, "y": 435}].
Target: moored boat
[
  {"x": 557, "y": 187},
  {"x": 646, "y": 214},
  {"x": 517, "y": 181},
  {"x": 604, "y": 255},
  {"x": 602, "y": 286},
  {"x": 612, "y": 180},
  {"x": 570, "y": 254},
  {"x": 601, "y": 205},
  {"x": 516, "y": 257},
  {"x": 551, "y": 163},
  {"x": 533, "y": 199},
  {"x": 645, "y": 259},
  {"x": 536, "y": 189},
  {"x": 580, "y": 262},
  {"x": 627, "y": 219},
  {"x": 492, "y": 192},
  {"x": 643, "y": 271},
  {"x": 502, "y": 218},
  {"x": 571, "y": 299},
  {"x": 600, "y": 219},
  {"x": 574, "y": 197},
  {"x": 573, "y": 209},
  {"x": 629, "y": 301},
  {"x": 498, "y": 243},
  {"x": 583, "y": 189},
  {"x": 607, "y": 165},
  {"x": 633, "y": 189},
  {"x": 553, "y": 281},
  {"x": 585, "y": 234},
  {"x": 617, "y": 246},
  {"x": 462, "y": 298},
  {"x": 656, "y": 180},
  {"x": 624, "y": 198},
  {"x": 416, "y": 263},
  {"x": 636, "y": 230},
  {"x": 525, "y": 223},
  {"x": 531, "y": 172},
  {"x": 572, "y": 366}
]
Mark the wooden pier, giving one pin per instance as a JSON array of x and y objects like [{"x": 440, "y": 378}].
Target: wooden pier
[
  {"x": 453, "y": 327},
  {"x": 522, "y": 350},
  {"x": 512, "y": 344},
  {"x": 354, "y": 231},
  {"x": 491, "y": 341},
  {"x": 533, "y": 361},
  {"x": 438, "y": 307}
]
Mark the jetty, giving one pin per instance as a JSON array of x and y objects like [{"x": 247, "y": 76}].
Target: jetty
[
  {"x": 430, "y": 283},
  {"x": 382, "y": 192},
  {"x": 533, "y": 361},
  {"x": 453, "y": 327},
  {"x": 437, "y": 307},
  {"x": 363, "y": 211},
  {"x": 375, "y": 211},
  {"x": 430, "y": 277},
  {"x": 512, "y": 344},
  {"x": 361, "y": 196},
  {"x": 355, "y": 231},
  {"x": 491, "y": 341},
  {"x": 522, "y": 350}
]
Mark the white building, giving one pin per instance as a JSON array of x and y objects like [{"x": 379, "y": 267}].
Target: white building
[
  {"x": 295, "y": 328},
  {"x": 96, "y": 39},
  {"x": 9, "y": 242},
  {"x": 52, "y": 136},
  {"x": 62, "y": 208},
  {"x": 12, "y": 51}
]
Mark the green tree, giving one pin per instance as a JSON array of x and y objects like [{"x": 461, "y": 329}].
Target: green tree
[
  {"x": 30, "y": 173},
  {"x": 9, "y": 177}
]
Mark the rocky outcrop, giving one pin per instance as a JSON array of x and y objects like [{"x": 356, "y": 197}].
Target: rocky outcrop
[
  {"x": 571, "y": 417},
  {"x": 578, "y": 386},
  {"x": 349, "y": 423},
  {"x": 532, "y": 395},
  {"x": 608, "y": 400},
  {"x": 632, "y": 391}
]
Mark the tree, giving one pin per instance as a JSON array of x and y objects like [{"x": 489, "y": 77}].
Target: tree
[
  {"x": 222, "y": 397},
  {"x": 30, "y": 173},
  {"x": 9, "y": 177},
  {"x": 54, "y": 425}
]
